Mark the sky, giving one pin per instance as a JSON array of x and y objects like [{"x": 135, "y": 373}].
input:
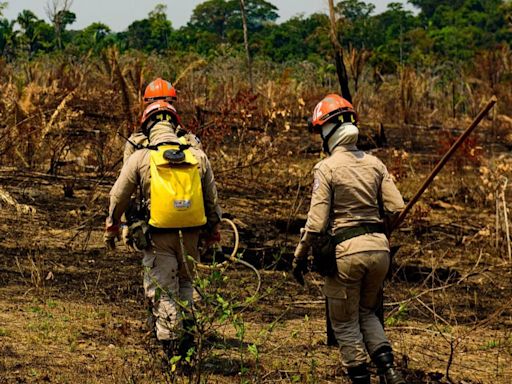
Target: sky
[{"x": 118, "y": 14}]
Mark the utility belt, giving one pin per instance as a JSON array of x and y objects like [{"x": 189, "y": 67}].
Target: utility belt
[
  {"x": 324, "y": 247},
  {"x": 348, "y": 233}
]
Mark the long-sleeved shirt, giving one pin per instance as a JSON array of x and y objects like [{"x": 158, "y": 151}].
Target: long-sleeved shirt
[{"x": 350, "y": 188}]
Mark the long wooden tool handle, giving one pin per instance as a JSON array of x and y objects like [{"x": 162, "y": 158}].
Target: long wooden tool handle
[{"x": 443, "y": 161}]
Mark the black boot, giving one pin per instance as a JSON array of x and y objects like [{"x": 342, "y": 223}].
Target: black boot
[
  {"x": 359, "y": 374},
  {"x": 186, "y": 347},
  {"x": 175, "y": 359},
  {"x": 383, "y": 359},
  {"x": 187, "y": 339},
  {"x": 170, "y": 348},
  {"x": 150, "y": 323}
]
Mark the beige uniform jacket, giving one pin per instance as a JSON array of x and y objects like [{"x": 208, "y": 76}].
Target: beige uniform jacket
[
  {"x": 347, "y": 189},
  {"x": 136, "y": 171},
  {"x": 139, "y": 138}
]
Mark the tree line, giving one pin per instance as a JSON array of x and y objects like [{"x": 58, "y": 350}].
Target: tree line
[{"x": 439, "y": 32}]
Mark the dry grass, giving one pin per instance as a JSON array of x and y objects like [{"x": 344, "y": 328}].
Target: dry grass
[{"x": 51, "y": 103}]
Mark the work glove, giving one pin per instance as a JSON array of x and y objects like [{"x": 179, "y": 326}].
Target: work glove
[
  {"x": 299, "y": 269},
  {"x": 390, "y": 222},
  {"x": 110, "y": 236},
  {"x": 300, "y": 259},
  {"x": 211, "y": 237}
]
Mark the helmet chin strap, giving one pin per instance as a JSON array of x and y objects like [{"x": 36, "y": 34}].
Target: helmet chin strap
[{"x": 326, "y": 138}]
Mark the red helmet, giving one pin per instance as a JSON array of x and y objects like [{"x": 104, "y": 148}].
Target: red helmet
[
  {"x": 159, "y": 89},
  {"x": 332, "y": 105},
  {"x": 158, "y": 111}
]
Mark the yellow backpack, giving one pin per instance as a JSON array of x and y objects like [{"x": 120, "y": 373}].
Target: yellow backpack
[{"x": 176, "y": 192}]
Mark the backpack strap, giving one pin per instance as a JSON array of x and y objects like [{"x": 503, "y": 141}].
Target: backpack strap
[
  {"x": 181, "y": 146},
  {"x": 136, "y": 146}
]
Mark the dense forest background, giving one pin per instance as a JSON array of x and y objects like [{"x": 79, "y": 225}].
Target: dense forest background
[{"x": 438, "y": 33}]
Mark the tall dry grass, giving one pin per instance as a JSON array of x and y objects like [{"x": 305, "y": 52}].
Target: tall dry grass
[{"x": 52, "y": 108}]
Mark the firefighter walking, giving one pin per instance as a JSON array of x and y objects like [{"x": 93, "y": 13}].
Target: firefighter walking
[
  {"x": 352, "y": 194},
  {"x": 177, "y": 182}
]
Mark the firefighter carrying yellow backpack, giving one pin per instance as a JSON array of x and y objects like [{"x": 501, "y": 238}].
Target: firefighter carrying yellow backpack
[{"x": 176, "y": 192}]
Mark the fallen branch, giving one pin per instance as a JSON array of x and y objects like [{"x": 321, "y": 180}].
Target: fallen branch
[
  {"x": 430, "y": 290},
  {"x": 7, "y": 199}
]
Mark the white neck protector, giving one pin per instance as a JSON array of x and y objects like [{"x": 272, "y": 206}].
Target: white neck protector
[{"x": 346, "y": 134}]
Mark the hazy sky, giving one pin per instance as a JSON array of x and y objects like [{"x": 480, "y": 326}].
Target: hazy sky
[{"x": 118, "y": 14}]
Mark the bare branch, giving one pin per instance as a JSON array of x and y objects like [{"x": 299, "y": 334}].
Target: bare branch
[
  {"x": 54, "y": 7},
  {"x": 56, "y": 11}
]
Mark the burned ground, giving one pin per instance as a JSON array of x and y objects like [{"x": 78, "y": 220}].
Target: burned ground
[{"x": 72, "y": 312}]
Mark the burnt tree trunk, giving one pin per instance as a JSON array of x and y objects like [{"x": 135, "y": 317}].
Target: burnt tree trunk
[
  {"x": 338, "y": 55},
  {"x": 246, "y": 43}
]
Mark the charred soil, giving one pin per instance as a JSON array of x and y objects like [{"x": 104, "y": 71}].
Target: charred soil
[{"x": 72, "y": 312}]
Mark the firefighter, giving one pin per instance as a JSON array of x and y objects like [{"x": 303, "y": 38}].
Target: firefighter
[
  {"x": 177, "y": 183},
  {"x": 352, "y": 194},
  {"x": 159, "y": 89}
]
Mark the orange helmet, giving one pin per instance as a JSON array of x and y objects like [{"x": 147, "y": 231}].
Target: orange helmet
[
  {"x": 160, "y": 110},
  {"x": 159, "y": 89},
  {"x": 332, "y": 105}
]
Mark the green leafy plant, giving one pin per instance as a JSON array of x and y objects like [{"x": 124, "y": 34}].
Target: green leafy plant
[
  {"x": 400, "y": 315},
  {"x": 217, "y": 308}
]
